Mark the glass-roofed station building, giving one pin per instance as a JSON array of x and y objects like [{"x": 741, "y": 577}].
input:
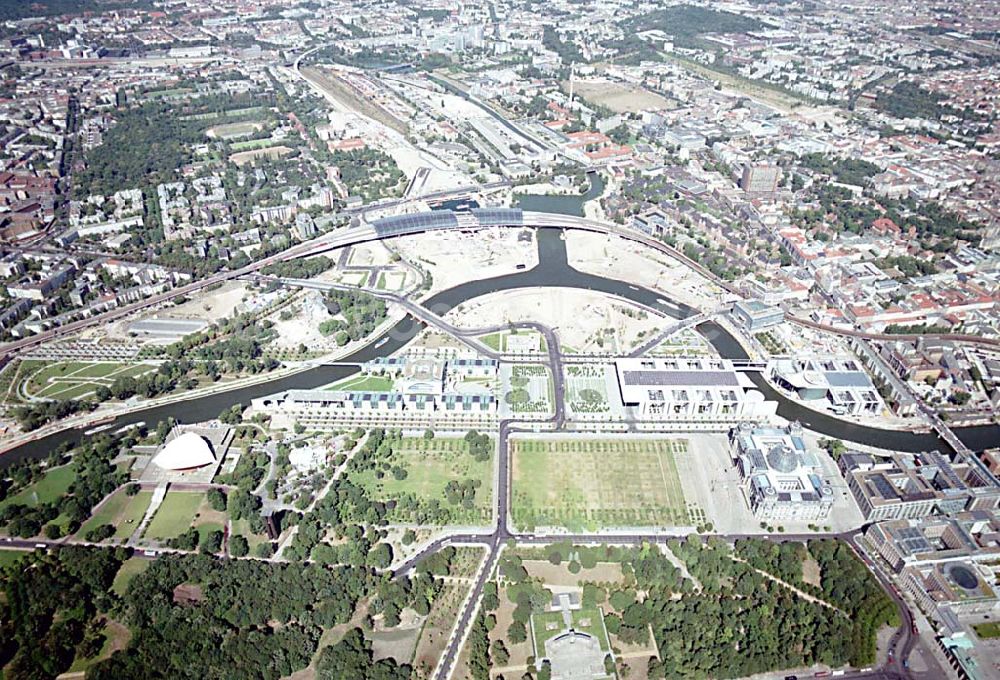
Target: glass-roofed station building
[{"x": 433, "y": 220}]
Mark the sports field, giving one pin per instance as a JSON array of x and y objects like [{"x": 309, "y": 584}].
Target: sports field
[
  {"x": 592, "y": 484},
  {"x": 72, "y": 379},
  {"x": 430, "y": 465},
  {"x": 233, "y": 130}
]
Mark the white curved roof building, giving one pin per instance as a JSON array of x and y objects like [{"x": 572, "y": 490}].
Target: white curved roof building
[{"x": 186, "y": 452}]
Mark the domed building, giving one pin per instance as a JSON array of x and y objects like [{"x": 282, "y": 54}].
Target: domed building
[
  {"x": 188, "y": 451},
  {"x": 783, "y": 479}
]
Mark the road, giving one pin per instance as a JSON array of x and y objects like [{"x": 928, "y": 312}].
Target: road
[
  {"x": 495, "y": 541},
  {"x": 502, "y": 532},
  {"x": 326, "y": 242}
]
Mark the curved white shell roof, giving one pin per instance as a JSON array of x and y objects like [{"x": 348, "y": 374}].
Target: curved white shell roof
[{"x": 185, "y": 452}]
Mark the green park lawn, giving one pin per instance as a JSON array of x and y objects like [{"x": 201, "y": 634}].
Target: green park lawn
[
  {"x": 8, "y": 557},
  {"x": 987, "y": 630},
  {"x": 241, "y": 527},
  {"x": 175, "y": 515},
  {"x": 122, "y": 511},
  {"x": 494, "y": 341},
  {"x": 74, "y": 379},
  {"x": 364, "y": 383},
  {"x": 586, "y": 620},
  {"x": 592, "y": 484},
  {"x": 54, "y": 484},
  {"x": 430, "y": 465},
  {"x": 131, "y": 568}
]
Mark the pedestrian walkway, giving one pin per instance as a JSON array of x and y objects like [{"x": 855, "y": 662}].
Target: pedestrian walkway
[{"x": 154, "y": 504}]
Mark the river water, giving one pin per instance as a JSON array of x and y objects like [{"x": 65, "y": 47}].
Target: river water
[
  {"x": 566, "y": 205},
  {"x": 552, "y": 270}
]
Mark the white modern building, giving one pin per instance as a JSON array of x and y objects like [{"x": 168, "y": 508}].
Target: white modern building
[
  {"x": 689, "y": 388},
  {"x": 186, "y": 451},
  {"x": 839, "y": 380}
]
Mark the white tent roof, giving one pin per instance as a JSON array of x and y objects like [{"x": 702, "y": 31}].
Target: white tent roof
[{"x": 187, "y": 451}]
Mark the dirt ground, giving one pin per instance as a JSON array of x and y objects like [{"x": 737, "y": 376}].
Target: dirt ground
[
  {"x": 188, "y": 593},
  {"x": 437, "y": 628},
  {"x": 810, "y": 571},
  {"x": 244, "y": 157},
  {"x": 456, "y": 258},
  {"x": 583, "y": 320},
  {"x": 519, "y": 653},
  {"x": 618, "y": 97},
  {"x": 210, "y": 306},
  {"x": 598, "y": 253},
  {"x": 399, "y": 642},
  {"x": 327, "y": 79}
]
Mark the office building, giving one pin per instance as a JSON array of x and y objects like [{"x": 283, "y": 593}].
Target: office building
[
  {"x": 915, "y": 485},
  {"x": 756, "y": 316},
  {"x": 689, "y": 388},
  {"x": 937, "y": 538},
  {"x": 839, "y": 380}
]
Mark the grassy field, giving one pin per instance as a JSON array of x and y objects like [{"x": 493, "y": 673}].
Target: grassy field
[
  {"x": 494, "y": 341},
  {"x": 129, "y": 570},
  {"x": 8, "y": 557},
  {"x": 54, "y": 484},
  {"x": 364, "y": 383},
  {"x": 175, "y": 515},
  {"x": 430, "y": 465},
  {"x": 252, "y": 144},
  {"x": 73, "y": 379},
  {"x": 587, "y": 620},
  {"x": 590, "y": 484},
  {"x": 241, "y": 527},
  {"x": 122, "y": 511},
  {"x": 988, "y": 630}
]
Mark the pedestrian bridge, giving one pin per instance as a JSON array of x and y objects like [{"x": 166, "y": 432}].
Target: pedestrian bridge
[{"x": 749, "y": 366}]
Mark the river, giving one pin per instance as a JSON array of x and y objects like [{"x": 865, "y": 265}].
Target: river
[
  {"x": 552, "y": 270},
  {"x": 568, "y": 204}
]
